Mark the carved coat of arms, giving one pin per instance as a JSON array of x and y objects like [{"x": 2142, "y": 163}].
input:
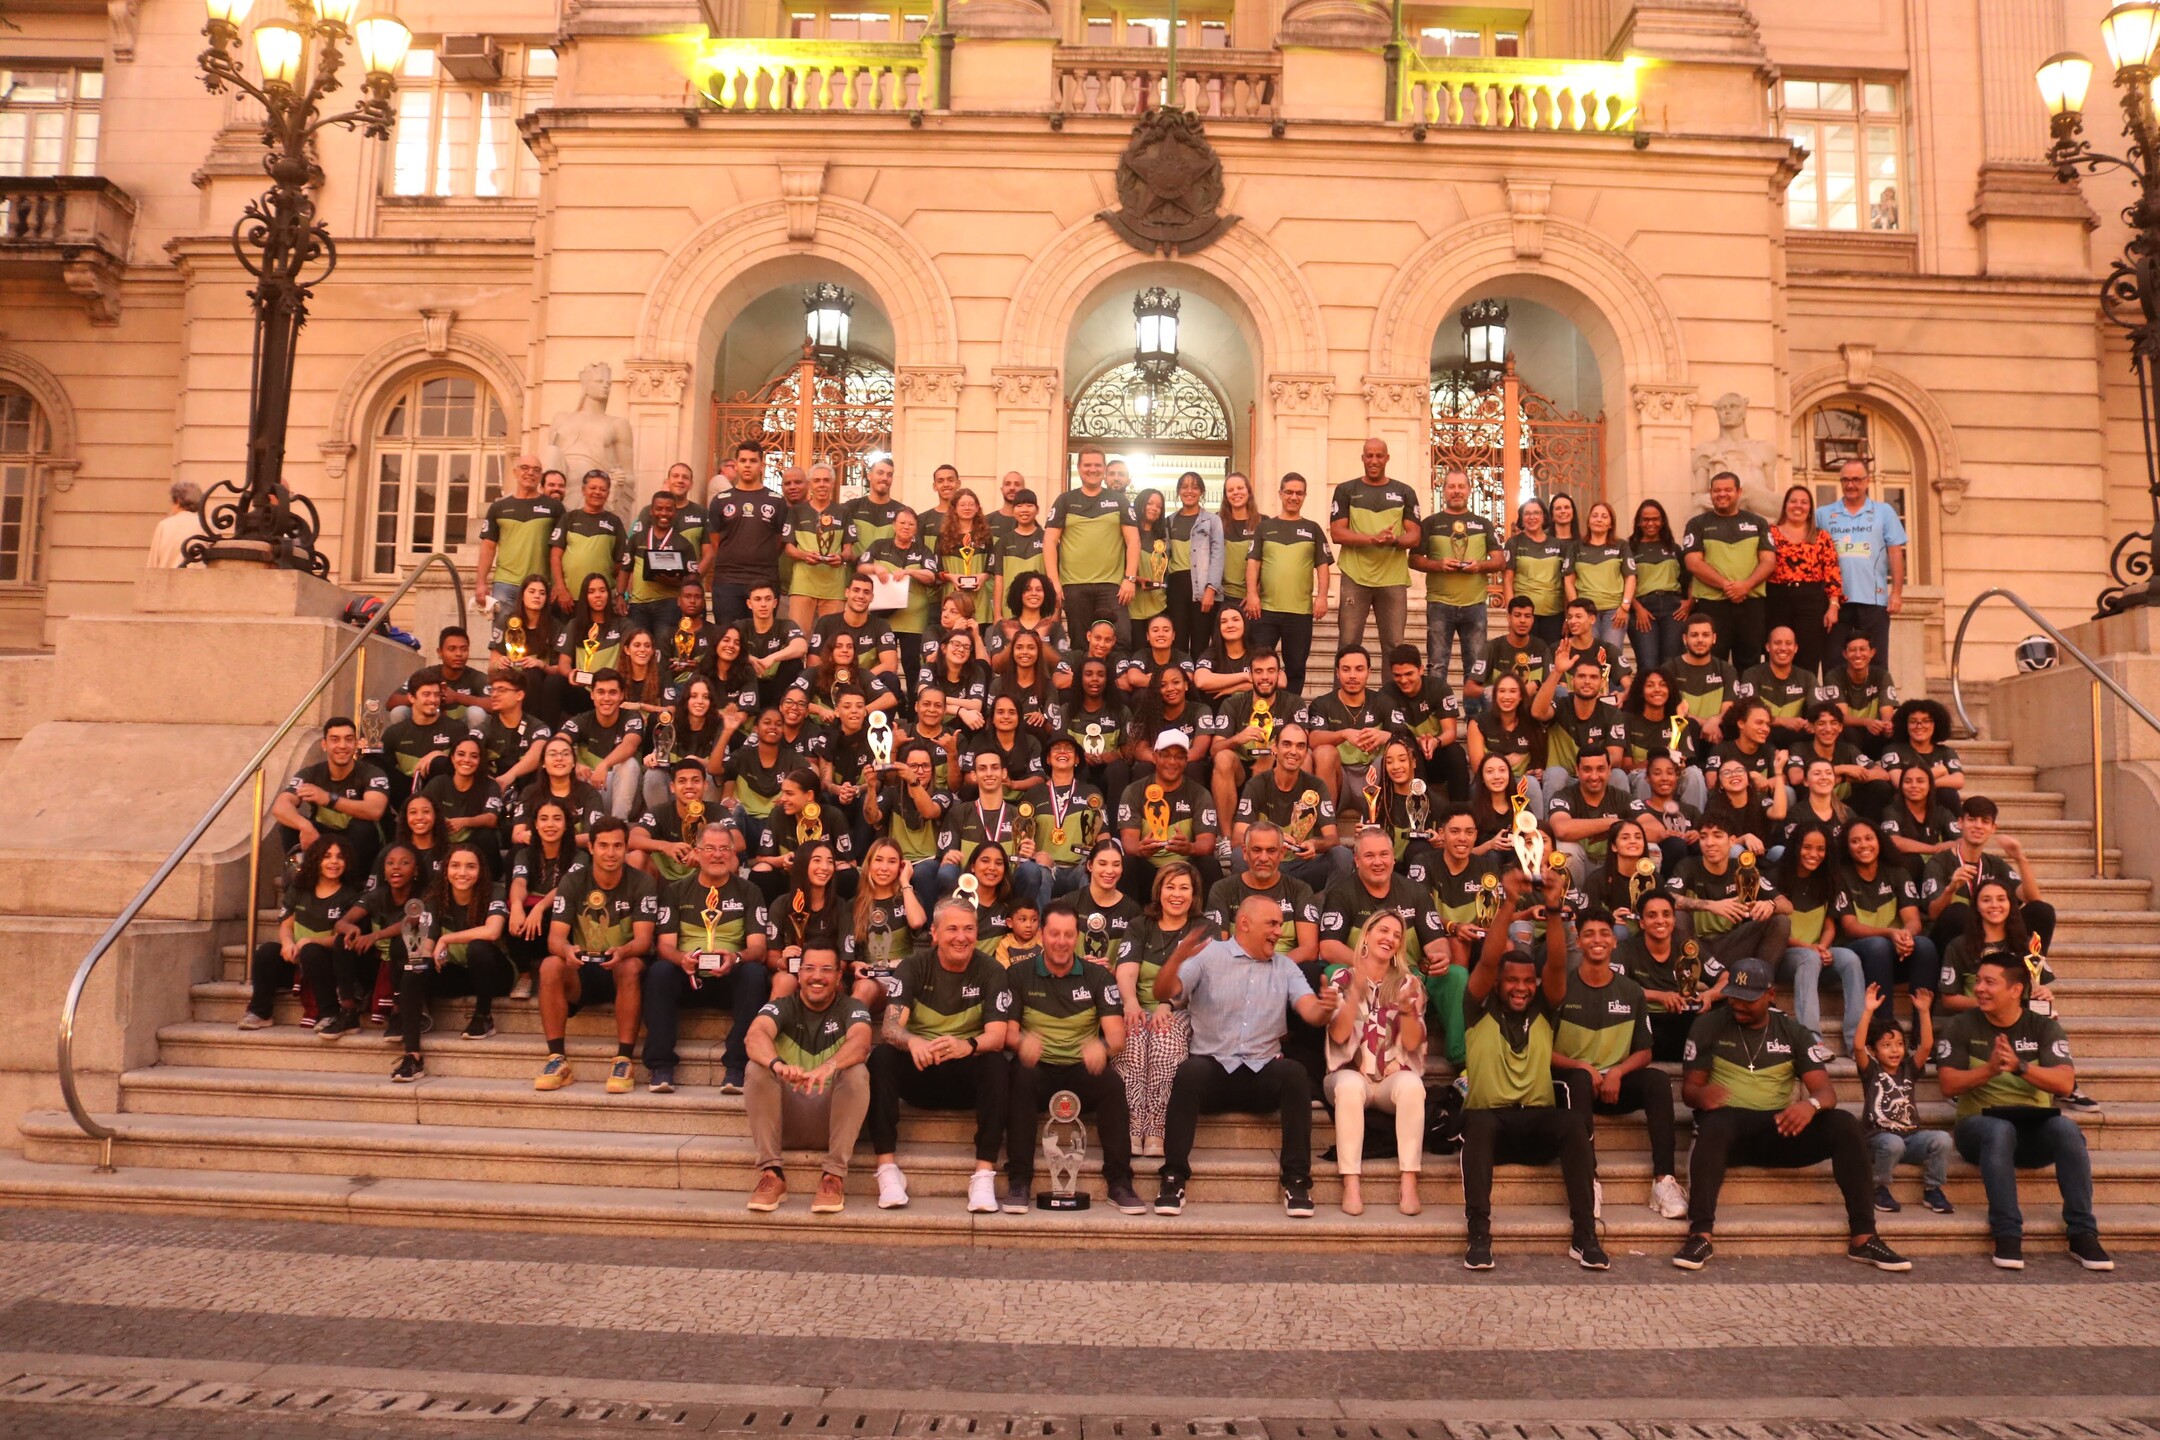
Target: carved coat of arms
[{"x": 1169, "y": 185}]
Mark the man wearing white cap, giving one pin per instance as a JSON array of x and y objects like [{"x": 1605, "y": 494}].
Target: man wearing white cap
[{"x": 1170, "y": 817}]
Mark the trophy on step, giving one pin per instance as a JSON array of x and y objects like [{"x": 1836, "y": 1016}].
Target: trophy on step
[{"x": 1064, "y": 1146}]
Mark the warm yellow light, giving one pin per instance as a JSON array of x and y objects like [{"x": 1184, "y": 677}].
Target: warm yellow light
[
  {"x": 2131, "y": 30},
  {"x": 2064, "y": 79},
  {"x": 337, "y": 12},
  {"x": 383, "y": 41},
  {"x": 232, "y": 12},
  {"x": 278, "y": 47}
]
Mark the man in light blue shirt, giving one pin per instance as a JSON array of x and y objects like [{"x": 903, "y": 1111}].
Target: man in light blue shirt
[
  {"x": 1871, "y": 560},
  {"x": 1237, "y": 992}
]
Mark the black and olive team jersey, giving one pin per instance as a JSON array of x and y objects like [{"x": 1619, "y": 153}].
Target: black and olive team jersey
[
  {"x": 689, "y": 518},
  {"x": 664, "y": 822},
  {"x": 381, "y": 910},
  {"x": 1612, "y": 805},
  {"x": 1096, "y": 732},
  {"x": 405, "y": 743},
  {"x": 468, "y": 687},
  {"x": 601, "y": 918},
  {"x": 1336, "y": 711},
  {"x": 864, "y": 522},
  {"x": 886, "y": 939},
  {"x": 817, "y": 532},
  {"x": 970, "y": 824},
  {"x": 1091, "y": 536},
  {"x": 1755, "y": 1068},
  {"x": 807, "y": 1038},
  {"x": 764, "y": 644},
  {"x": 1536, "y": 566},
  {"x": 913, "y": 618},
  {"x": 1347, "y": 905},
  {"x": 1763, "y": 762},
  {"x": 1022, "y": 758},
  {"x": 1237, "y": 549},
  {"x": 1870, "y": 697},
  {"x": 542, "y": 872},
  {"x": 1153, "y": 950},
  {"x": 1941, "y": 826},
  {"x": 1521, "y": 747},
  {"x": 451, "y": 803},
  {"x": 1189, "y": 813},
  {"x": 1707, "y": 687},
  {"x": 1967, "y": 1039},
  {"x": 783, "y": 836},
  {"x": 1942, "y": 867},
  {"x": 914, "y": 832},
  {"x": 1147, "y": 664},
  {"x": 1062, "y": 814},
  {"x": 1106, "y": 931},
  {"x": 1602, "y": 1025},
  {"x": 1658, "y": 568},
  {"x": 1645, "y": 735},
  {"x": 1306, "y": 809},
  {"x": 1507, "y": 1055},
  {"x": 521, "y": 530},
  {"x": 1732, "y": 545},
  {"x": 1237, "y": 714},
  {"x": 1961, "y": 964},
  {"x": 1601, "y": 572},
  {"x": 502, "y": 745},
  {"x": 1422, "y": 713},
  {"x": 315, "y": 916},
  {"x": 943, "y": 1002},
  {"x": 744, "y": 527},
  {"x": 1371, "y": 509},
  {"x": 757, "y": 784},
  {"x": 972, "y": 684},
  {"x": 714, "y": 918},
  {"x": 358, "y": 782},
  {"x": 1064, "y": 1010},
  {"x": 494, "y": 901},
  {"x": 1788, "y": 698},
  {"x": 1687, "y": 965},
  {"x": 1693, "y": 877},
  {"x": 584, "y": 804},
  {"x": 1813, "y": 898},
  {"x": 1877, "y": 901},
  {"x": 659, "y": 563},
  {"x": 1299, "y": 905},
  {"x": 590, "y": 545},
  {"x": 1527, "y": 660},
  {"x": 1453, "y": 897},
  {"x": 593, "y": 645},
  {"x": 1457, "y": 535},
  {"x": 1615, "y": 886},
  {"x": 1899, "y": 756},
  {"x": 1571, "y": 734},
  {"x": 873, "y": 637},
  {"x": 595, "y": 739},
  {"x": 1018, "y": 553},
  {"x": 1290, "y": 553}
]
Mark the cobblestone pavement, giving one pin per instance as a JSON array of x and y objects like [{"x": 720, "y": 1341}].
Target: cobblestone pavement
[{"x": 188, "y": 1327}]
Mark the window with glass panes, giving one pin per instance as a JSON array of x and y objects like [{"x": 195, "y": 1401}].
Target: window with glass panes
[
  {"x": 457, "y": 139},
  {"x": 437, "y": 463},
  {"x": 855, "y": 23},
  {"x": 25, "y": 445},
  {"x": 49, "y": 121},
  {"x": 1854, "y": 174},
  {"x": 1145, "y": 23},
  {"x": 1840, "y": 430}
]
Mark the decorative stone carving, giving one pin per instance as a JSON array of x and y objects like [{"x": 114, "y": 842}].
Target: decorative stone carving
[
  {"x": 336, "y": 455},
  {"x": 95, "y": 279},
  {"x": 1754, "y": 461},
  {"x": 1663, "y": 404},
  {"x": 801, "y": 183},
  {"x": 1025, "y": 389},
  {"x": 1950, "y": 492},
  {"x": 1398, "y": 395},
  {"x": 1529, "y": 201},
  {"x": 1859, "y": 360},
  {"x": 656, "y": 382},
  {"x": 123, "y": 17},
  {"x": 1301, "y": 394},
  {"x": 435, "y": 330},
  {"x": 1169, "y": 186},
  {"x": 927, "y": 385},
  {"x": 588, "y": 438}
]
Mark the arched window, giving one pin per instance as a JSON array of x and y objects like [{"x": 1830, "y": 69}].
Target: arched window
[
  {"x": 25, "y": 449},
  {"x": 438, "y": 457},
  {"x": 1850, "y": 429}
]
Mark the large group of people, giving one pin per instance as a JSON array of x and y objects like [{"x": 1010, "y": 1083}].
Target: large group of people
[{"x": 974, "y": 805}]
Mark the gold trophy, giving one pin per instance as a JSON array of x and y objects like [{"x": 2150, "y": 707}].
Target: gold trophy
[
  {"x": 1676, "y": 734},
  {"x": 1485, "y": 905},
  {"x": 967, "y": 579},
  {"x": 1748, "y": 884},
  {"x": 1375, "y": 797},
  {"x": 709, "y": 960},
  {"x": 1158, "y": 570},
  {"x": 1263, "y": 720},
  {"x": 810, "y": 825},
  {"x": 692, "y": 815},
  {"x": 1302, "y": 816},
  {"x": 1026, "y": 829},
  {"x": 593, "y": 926},
  {"x": 588, "y": 657},
  {"x": 1641, "y": 883},
  {"x": 1088, "y": 823},
  {"x": 514, "y": 646},
  {"x": 1419, "y": 810},
  {"x": 1691, "y": 975},
  {"x": 1459, "y": 541},
  {"x": 1155, "y": 816},
  {"x": 685, "y": 643},
  {"x": 828, "y": 535},
  {"x": 2036, "y": 967}
]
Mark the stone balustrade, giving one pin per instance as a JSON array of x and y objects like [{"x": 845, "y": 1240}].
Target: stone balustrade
[
  {"x": 59, "y": 212},
  {"x": 1552, "y": 95},
  {"x": 818, "y": 76},
  {"x": 1124, "y": 80}
]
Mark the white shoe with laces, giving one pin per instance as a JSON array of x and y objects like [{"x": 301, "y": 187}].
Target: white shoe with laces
[
  {"x": 1668, "y": 1199},
  {"x": 891, "y": 1187},
  {"x": 982, "y": 1193}
]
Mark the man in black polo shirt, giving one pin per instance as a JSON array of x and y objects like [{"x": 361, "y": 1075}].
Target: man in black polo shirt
[
  {"x": 607, "y": 739},
  {"x": 875, "y": 646},
  {"x": 464, "y": 689},
  {"x": 712, "y": 932},
  {"x": 1582, "y": 723},
  {"x": 417, "y": 748},
  {"x": 1515, "y": 651},
  {"x": 1582, "y": 816},
  {"x": 1704, "y": 682},
  {"x": 743, "y": 525},
  {"x": 1785, "y": 688},
  {"x": 1246, "y": 728},
  {"x": 341, "y": 794},
  {"x": 1710, "y": 889},
  {"x": 1863, "y": 690},
  {"x": 1728, "y": 554},
  {"x": 1260, "y": 854}
]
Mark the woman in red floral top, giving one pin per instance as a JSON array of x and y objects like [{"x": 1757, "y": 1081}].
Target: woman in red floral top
[{"x": 1805, "y": 590}]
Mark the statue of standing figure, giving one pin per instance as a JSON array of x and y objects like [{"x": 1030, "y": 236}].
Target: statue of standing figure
[
  {"x": 588, "y": 438},
  {"x": 1754, "y": 461}
]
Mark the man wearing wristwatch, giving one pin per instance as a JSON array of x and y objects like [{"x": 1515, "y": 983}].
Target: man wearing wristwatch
[
  {"x": 1738, "y": 1072},
  {"x": 943, "y": 1048}
]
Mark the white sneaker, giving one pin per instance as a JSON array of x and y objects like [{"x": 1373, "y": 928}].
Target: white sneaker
[
  {"x": 252, "y": 1021},
  {"x": 891, "y": 1187},
  {"x": 982, "y": 1193},
  {"x": 523, "y": 989},
  {"x": 1668, "y": 1199}
]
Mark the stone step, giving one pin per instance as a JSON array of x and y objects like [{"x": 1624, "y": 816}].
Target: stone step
[
  {"x": 536, "y": 1157},
  {"x": 2085, "y": 894},
  {"x": 1534, "y": 1233}
]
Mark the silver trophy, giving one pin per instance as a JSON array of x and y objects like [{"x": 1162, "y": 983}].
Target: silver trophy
[
  {"x": 1419, "y": 810},
  {"x": 1064, "y": 1146},
  {"x": 969, "y": 890},
  {"x": 414, "y": 933},
  {"x": 663, "y": 740},
  {"x": 371, "y": 727},
  {"x": 880, "y": 740},
  {"x": 1091, "y": 742},
  {"x": 1095, "y": 943}
]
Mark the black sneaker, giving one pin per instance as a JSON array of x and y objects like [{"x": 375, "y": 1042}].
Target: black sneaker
[
  {"x": 1127, "y": 1200},
  {"x": 1477, "y": 1255},
  {"x": 2079, "y": 1100},
  {"x": 660, "y": 1079},
  {"x": 1872, "y": 1251},
  {"x": 1935, "y": 1200},
  {"x": 1170, "y": 1198},
  {"x": 1886, "y": 1202},
  {"x": 409, "y": 1069},
  {"x": 2089, "y": 1254},
  {"x": 1015, "y": 1200},
  {"x": 1694, "y": 1253},
  {"x": 479, "y": 1027},
  {"x": 1297, "y": 1199},
  {"x": 1589, "y": 1254},
  {"x": 338, "y": 1026},
  {"x": 2009, "y": 1253}
]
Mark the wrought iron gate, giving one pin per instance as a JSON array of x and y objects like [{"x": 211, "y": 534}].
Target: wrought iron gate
[
  {"x": 1503, "y": 433},
  {"x": 808, "y": 414}
]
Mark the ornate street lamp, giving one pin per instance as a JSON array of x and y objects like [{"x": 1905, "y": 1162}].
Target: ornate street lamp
[
  {"x": 280, "y": 242},
  {"x": 2130, "y": 295},
  {"x": 827, "y": 309},
  {"x": 1484, "y": 334},
  {"x": 1155, "y": 337}
]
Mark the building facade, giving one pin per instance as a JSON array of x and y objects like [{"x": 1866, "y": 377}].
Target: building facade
[{"x": 1835, "y": 212}]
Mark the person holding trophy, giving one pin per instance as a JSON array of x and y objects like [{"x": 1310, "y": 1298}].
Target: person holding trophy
[
  {"x": 814, "y": 539},
  {"x": 1425, "y": 708},
  {"x": 1247, "y": 725},
  {"x": 1288, "y": 795},
  {"x": 1068, "y": 813},
  {"x": 967, "y": 558},
  {"x": 661, "y": 555},
  {"x": 1167, "y": 818},
  {"x": 599, "y": 933},
  {"x": 1464, "y": 896},
  {"x": 663, "y": 839},
  {"x": 1678, "y": 978},
  {"x": 712, "y": 930}
]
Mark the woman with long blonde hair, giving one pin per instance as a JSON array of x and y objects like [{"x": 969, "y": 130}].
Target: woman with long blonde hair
[{"x": 1376, "y": 1058}]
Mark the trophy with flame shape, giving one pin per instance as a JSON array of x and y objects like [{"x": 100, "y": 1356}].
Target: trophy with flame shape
[
  {"x": 1527, "y": 841},
  {"x": 1155, "y": 816},
  {"x": 685, "y": 643},
  {"x": 810, "y": 825},
  {"x": 1485, "y": 905},
  {"x": 709, "y": 960},
  {"x": 1419, "y": 809},
  {"x": 515, "y": 647},
  {"x": 1263, "y": 720},
  {"x": 1303, "y": 815},
  {"x": 1691, "y": 975}
]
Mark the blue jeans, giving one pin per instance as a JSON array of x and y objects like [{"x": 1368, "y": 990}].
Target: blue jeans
[
  {"x": 1611, "y": 628},
  {"x": 1461, "y": 626},
  {"x": 1929, "y": 1149},
  {"x": 2001, "y": 1147},
  {"x": 1880, "y": 964},
  {"x": 505, "y": 595},
  {"x": 1804, "y": 964},
  {"x": 1661, "y": 642}
]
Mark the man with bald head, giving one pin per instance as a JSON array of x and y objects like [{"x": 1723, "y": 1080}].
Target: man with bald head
[
  {"x": 1002, "y": 519},
  {"x": 1374, "y": 524},
  {"x": 514, "y": 537}
]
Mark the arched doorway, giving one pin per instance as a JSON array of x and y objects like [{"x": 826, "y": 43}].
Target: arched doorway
[
  {"x": 1159, "y": 431},
  {"x": 1849, "y": 428},
  {"x": 1511, "y": 382}
]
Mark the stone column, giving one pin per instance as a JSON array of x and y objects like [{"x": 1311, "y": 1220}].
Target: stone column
[
  {"x": 2028, "y": 222},
  {"x": 656, "y": 390},
  {"x": 1031, "y": 427},
  {"x": 926, "y": 426},
  {"x": 1657, "y": 451}
]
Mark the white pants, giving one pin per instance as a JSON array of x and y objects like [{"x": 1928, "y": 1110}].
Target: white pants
[{"x": 1402, "y": 1094}]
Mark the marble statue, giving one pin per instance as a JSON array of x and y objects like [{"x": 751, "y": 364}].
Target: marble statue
[
  {"x": 588, "y": 438},
  {"x": 1754, "y": 461}
]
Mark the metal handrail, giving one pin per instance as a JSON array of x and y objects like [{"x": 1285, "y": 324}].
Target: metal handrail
[
  {"x": 1957, "y": 651},
  {"x": 90, "y": 1126}
]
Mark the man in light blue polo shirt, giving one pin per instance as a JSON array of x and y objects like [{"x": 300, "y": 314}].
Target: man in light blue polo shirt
[
  {"x": 1871, "y": 558},
  {"x": 1237, "y": 992}
]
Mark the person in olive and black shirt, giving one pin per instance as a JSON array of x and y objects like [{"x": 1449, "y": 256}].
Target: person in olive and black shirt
[
  {"x": 663, "y": 839},
  {"x": 1729, "y": 558},
  {"x": 586, "y": 542},
  {"x": 1260, "y": 854},
  {"x": 1707, "y": 887},
  {"x": 1788, "y": 690},
  {"x": 1535, "y": 558},
  {"x": 325, "y": 887},
  {"x": 1676, "y": 975},
  {"x": 1091, "y": 550},
  {"x": 599, "y": 934},
  {"x": 1422, "y": 708},
  {"x": 510, "y": 739},
  {"x": 1951, "y": 878},
  {"x": 1863, "y": 690},
  {"x": 1705, "y": 684},
  {"x": 1167, "y": 818},
  {"x": 1247, "y": 726},
  {"x": 1582, "y": 722},
  {"x": 1457, "y": 882},
  {"x": 1295, "y": 799},
  {"x": 514, "y": 537},
  {"x": 417, "y": 748},
  {"x": 712, "y": 931},
  {"x": 773, "y": 645},
  {"x": 1511, "y": 1014},
  {"x": 1460, "y": 549},
  {"x": 945, "y": 1037},
  {"x": 660, "y": 555},
  {"x": 1347, "y": 724},
  {"x": 462, "y": 956},
  {"x": 1374, "y": 523},
  {"x": 1742, "y": 1062},
  {"x": 341, "y": 795},
  {"x": 2008, "y": 1068},
  {"x": 1514, "y": 651},
  {"x": 606, "y": 739},
  {"x": 1287, "y": 571},
  {"x": 464, "y": 688},
  {"x": 467, "y": 803}
]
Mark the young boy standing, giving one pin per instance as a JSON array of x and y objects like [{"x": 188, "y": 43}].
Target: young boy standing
[{"x": 1889, "y": 1070}]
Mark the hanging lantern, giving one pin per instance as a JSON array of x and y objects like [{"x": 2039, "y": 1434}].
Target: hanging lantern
[
  {"x": 826, "y": 308},
  {"x": 1484, "y": 328},
  {"x": 1155, "y": 327}
]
